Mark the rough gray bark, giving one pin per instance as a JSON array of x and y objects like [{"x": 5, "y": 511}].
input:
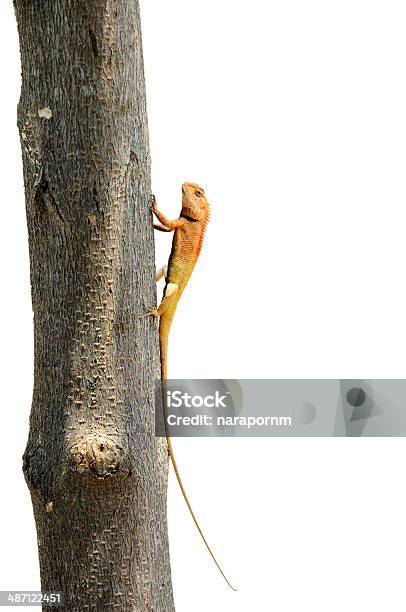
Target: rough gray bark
[{"x": 96, "y": 473}]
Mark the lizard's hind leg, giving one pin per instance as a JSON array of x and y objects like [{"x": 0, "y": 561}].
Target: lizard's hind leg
[
  {"x": 169, "y": 295},
  {"x": 162, "y": 273}
]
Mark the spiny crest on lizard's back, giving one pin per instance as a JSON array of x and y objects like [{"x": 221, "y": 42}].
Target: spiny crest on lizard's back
[{"x": 205, "y": 222}]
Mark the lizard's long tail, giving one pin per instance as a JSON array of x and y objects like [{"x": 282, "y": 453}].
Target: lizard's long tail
[{"x": 163, "y": 341}]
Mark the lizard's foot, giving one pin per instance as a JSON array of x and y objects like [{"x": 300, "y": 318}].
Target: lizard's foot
[{"x": 151, "y": 312}]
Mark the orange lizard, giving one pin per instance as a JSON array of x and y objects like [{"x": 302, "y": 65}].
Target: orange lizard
[{"x": 186, "y": 246}]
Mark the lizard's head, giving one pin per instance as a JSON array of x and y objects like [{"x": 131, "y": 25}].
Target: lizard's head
[{"x": 194, "y": 204}]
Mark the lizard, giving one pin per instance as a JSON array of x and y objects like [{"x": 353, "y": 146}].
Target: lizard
[{"x": 189, "y": 230}]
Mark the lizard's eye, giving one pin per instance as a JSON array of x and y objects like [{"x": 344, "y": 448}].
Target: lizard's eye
[{"x": 198, "y": 194}]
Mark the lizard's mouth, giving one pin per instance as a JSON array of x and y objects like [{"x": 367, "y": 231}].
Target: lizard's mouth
[{"x": 186, "y": 214}]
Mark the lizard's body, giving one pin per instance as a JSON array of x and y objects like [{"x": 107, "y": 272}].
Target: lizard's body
[{"x": 186, "y": 246}]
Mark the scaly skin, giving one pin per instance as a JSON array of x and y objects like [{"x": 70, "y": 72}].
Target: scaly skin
[
  {"x": 187, "y": 243},
  {"x": 186, "y": 246}
]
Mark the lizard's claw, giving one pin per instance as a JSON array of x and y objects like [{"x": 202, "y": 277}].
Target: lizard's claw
[
  {"x": 151, "y": 312},
  {"x": 153, "y": 202}
]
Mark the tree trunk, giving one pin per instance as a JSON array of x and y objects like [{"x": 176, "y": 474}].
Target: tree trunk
[{"x": 96, "y": 472}]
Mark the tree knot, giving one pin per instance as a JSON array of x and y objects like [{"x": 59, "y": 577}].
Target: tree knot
[{"x": 96, "y": 455}]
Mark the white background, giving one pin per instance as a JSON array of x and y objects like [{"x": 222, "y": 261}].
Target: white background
[{"x": 292, "y": 115}]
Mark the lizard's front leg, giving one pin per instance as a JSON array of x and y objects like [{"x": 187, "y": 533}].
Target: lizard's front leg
[
  {"x": 167, "y": 224},
  {"x": 162, "y": 228}
]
